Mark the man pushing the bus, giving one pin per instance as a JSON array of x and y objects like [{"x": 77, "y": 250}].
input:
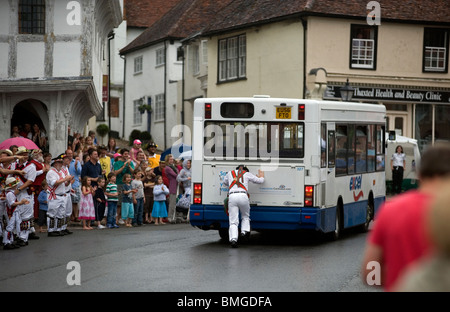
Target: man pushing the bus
[{"x": 237, "y": 182}]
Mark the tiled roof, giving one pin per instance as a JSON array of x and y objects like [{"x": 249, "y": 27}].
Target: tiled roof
[
  {"x": 437, "y": 11},
  {"x": 248, "y": 12},
  {"x": 183, "y": 20},
  {"x": 214, "y": 16},
  {"x": 242, "y": 13},
  {"x": 143, "y": 13}
]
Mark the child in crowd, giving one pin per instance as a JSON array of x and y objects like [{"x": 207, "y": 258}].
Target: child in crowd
[
  {"x": 137, "y": 147},
  {"x": 43, "y": 206},
  {"x": 127, "y": 200},
  {"x": 160, "y": 191},
  {"x": 113, "y": 198},
  {"x": 12, "y": 213},
  {"x": 100, "y": 202},
  {"x": 104, "y": 160},
  {"x": 149, "y": 183},
  {"x": 86, "y": 210},
  {"x": 138, "y": 197}
]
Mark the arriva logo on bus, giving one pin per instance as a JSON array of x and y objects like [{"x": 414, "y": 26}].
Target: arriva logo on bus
[{"x": 355, "y": 184}]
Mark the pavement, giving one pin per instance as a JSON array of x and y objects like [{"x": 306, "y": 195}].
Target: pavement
[{"x": 78, "y": 225}]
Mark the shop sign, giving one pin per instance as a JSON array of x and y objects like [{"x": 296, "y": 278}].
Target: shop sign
[{"x": 391, "y": 94}]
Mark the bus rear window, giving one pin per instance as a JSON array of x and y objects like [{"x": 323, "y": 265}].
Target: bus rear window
[
  {"x": 258, "y": 140},
  {"x": 237, "y": 110}
]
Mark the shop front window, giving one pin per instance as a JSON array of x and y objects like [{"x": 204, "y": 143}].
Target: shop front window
[
  {"x": 424, "y": 125},
  {"x": 429, "y": 129},
  {"x": 442, "y": 123}
]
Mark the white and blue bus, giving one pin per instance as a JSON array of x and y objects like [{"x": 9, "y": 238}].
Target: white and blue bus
[{"x": 323, "y": 162}]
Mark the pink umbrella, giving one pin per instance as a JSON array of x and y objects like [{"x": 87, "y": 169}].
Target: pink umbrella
[{"x": 19, "y": 142}]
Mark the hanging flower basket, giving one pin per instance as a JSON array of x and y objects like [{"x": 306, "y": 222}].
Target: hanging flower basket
[{"x": 143, "y": 108}]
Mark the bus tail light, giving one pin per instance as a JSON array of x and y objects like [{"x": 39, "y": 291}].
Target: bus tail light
[
  {"x": 207, "y": 110},
  {"x": 301, "y": 111},
  {"x": 309, "y": 195},
  {"x": 197, "y": 193}
]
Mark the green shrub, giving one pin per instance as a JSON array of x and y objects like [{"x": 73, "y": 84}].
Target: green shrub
[
  {"x": 145, "y": 137},
  {"x": 133, "y": 136},
  {"x": 102, "y": 130}
]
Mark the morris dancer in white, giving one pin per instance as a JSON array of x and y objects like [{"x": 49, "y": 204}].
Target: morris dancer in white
[
  {"x": 237, "y": 182},
  {"x": 23, "y": 191},
  {"x": 68, "y": 209},
  {"x": 37, "y": 159},
  {"x": 56, "y": 198},
  {"x": 6, "y": 157},
  {"x": 12, "y": 215}
]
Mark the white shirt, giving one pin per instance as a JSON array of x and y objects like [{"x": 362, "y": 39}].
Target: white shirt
[
  {"x": 65, "y": 171},
  {"x": 52, "y": 177},
  {"x": 397, "y": 159},
  {"x": 248, "y": 176},
  {"x": 30, "y": 175},
  {"x": 10, "y": 198}
]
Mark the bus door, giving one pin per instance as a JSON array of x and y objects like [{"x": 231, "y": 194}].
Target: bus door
[{"x": 328, "y": 164}]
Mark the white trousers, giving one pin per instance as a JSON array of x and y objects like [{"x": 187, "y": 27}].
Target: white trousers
[
  {"x": 238, "y": 202},
  {"x": 56, "y": 213},
  {"x": 26, "y": 214},
  {"x": 13, "y": 224},
  {"x": 67, "y": 211}
]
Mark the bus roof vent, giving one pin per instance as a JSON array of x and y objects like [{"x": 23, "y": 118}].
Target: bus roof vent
[{"x": 261, "y": 96}]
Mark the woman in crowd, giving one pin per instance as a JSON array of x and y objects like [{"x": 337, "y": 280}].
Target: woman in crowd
[
  {"x": 111, "y": 148},
  {"x": 171, "y": 173}
]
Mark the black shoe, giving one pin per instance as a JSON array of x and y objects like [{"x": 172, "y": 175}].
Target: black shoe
[
  {"x": 66, "y": 232},
  {"x": 33, "y": 236},
  {"x": 55, "y": 234},
  {"x": 20, "y": 242},
  {"x": 234, "y": 244},
  {"x": 244, "y": 237},
  {"x": 10, "y": 246}
]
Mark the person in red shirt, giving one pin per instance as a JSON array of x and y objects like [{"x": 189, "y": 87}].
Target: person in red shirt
[{"x": 400, "y": 235}]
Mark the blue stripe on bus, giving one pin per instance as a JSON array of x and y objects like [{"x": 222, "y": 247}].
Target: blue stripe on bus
[{"x": 285, "y": 218}]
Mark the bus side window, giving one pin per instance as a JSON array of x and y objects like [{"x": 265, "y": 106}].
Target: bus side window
[
  {"x": 331, "y": 149},
  {"x": 380, "y": 148},
  {"x": 371, "y": 153},
  {"x": 341, "y": 150},
  {"x": 323, "y": 146},
  {"x": 351, "y": 149},
  {"x": 361, "y": 149}
]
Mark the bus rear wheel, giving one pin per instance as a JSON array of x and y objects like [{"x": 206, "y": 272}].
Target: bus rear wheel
[
  {"x": 369, "y": 215},
  {"x": 223, "y": 233},
  {"x": 336, "y": 234}
]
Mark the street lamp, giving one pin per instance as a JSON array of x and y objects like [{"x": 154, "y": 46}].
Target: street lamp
[{"x": 347, "y": 92}]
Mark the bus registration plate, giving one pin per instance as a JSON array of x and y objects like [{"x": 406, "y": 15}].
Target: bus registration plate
[{"x": 283, "y": 113}]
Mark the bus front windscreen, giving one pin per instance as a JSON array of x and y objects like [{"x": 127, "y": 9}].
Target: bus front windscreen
[{"x": 253, "y": 140}]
